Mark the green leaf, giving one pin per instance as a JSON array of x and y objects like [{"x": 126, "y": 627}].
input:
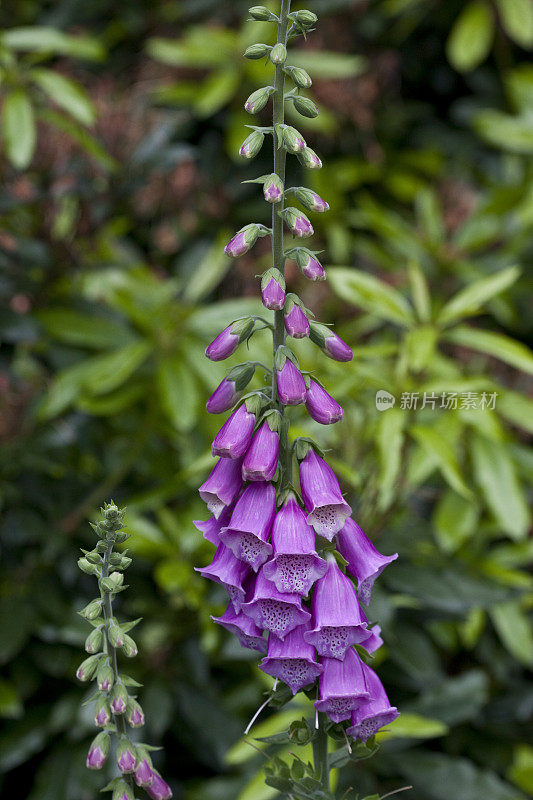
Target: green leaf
[
  {"x": 517, "y": 20},
  {"x": 454, "y": 700},
  {"x": 521, "y": 771},
  {"x": 10, "y": 703},
  {"x": 372, "y": 294},
  {"x": 208, "y": 272},
  {"x": 471, "y": 37},
  {"x": 455, "y": 520},
  {"x": 328, "y": 65},
  {"x": 413, "y": 726},
  {"x": 421, "y": 343},
  {"x": 420, "y": 291},
  {"x": 440, "y": 449},
  {"x": 516, "y": 408},
  {"x": 389, "y": 438},
  {"x": 18, "y": 128},
  {"x": 43, "y": 39},
  {"x": 504, "y": 130},
  {"x": 473, "y": 297},
  {"x": 66, "y": 93},
  {"x": 515, "y": 630},
  {"x": 178, "y": 392},
  {"x": 83, "y": 330},
  {"x": 493, "y": 344},
  {"x": 495, "y": 474}
]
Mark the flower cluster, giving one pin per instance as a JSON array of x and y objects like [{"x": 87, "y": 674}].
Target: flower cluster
[
  {"x": 115, "y": 707},
  {"x": 278, "y": 543}
]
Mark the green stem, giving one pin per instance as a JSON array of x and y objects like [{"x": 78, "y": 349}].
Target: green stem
[
  {"x": 278, "y": 258},
  {"x": 320, "y": 753},
  {"x": 110, "y": 650}
]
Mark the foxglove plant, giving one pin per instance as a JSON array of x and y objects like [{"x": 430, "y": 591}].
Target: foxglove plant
[
  {"x": 294, "y": 563},
  {"x": 115, "y": 708}
]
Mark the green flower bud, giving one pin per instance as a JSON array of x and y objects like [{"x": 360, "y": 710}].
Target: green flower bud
[
  {"x": 87, "y": 567},
  {"x": 113, "y": 582},
  {"x": 105, "y": 677},
  {"x": 305, "y": 106},
  {"x": 260, "y": 13},
  {"x": 126, "y": 756},
  {"x": 278, "y": 54},
  {"x": 93, "y": 557},
  {"x": 293, "y": 141},
  {"x": 257, "y": 51},
  {"x": 116, "y": 637},
  {"x": 87, "y": 668},
  {"x": 306, "y": 18},
  {"x": 134, "y": 714},
  {"x": 299, "y": 76},
  {"x": 93, "y": 643},
  {"x": 241, "y": 376},
  {"x": 309, "y": 159},
  {"x": 102, "y": 712},
  {"x": 121, "y": 791},
  {"x": 273, "y": 188},
  {"x": 119, "y": 699},
  {"x": 258, "y": 100},
  {"x": 98, "y": 751},
  {"x": 252, "y": 145},
  {"x": 125, "y": 561},
  {"x": 129, "y": 648},
  {"x": 92, "y": 610}
]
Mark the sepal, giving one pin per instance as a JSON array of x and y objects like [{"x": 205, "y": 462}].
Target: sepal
[
  {"x": 113, "y": 583},
  {"x": 278, "y": 54},
  {"x": 293, "y": 141},
  {"x": 241, "y": 375},
  {"x": 121, "y": 791}
]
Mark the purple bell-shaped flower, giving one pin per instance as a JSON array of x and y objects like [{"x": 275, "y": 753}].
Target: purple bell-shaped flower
[
  {"x": 222, "y": 486},
  {"x": 365, "y": 563},
  {"x": 295, "y": 318},
  {"x": 273, "y": 289},
  {"x": 295, "y": 565},
  {"x": 228, "y": 340},
  {"x": 249, "y": 527},
  {"x": 261, "y": 460},
  {"x": 368, "y": 719},
  {"x": 342, "y": 686},
  {"x": 277, "y": 612},
  {"x": 230, "y": 390},
  {"x": 337, "y": 620},
  {"x": 321, "y": 406},
  {"x": 211, "y": 527},
  {"x": 290, "y": 383},
  {"x": 229, "y": 572},
  {"x": 330, "y": 344},
  {"x": 235, "y": 436},
  {"x": 291, "y": 659},
  {"x": 327, "y": 508},
  {"x": 244, "y": 628}
]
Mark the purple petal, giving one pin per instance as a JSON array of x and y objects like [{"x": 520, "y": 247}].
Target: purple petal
[
  {"x": 249, "y": 527},
  {"x": 322, "y": 496},
  {"x": 291, "y": 659},
  {"x": 364, "y": 561}
]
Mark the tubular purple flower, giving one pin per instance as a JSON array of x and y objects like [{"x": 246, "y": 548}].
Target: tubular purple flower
[
  {"x": 309, "y": 265},
  {"x": 298, "y": 223},
  {"x": 242, "y": 241},
  {"x": 342, "y": 686},
  {"x": 290, "y": 384},
  {"x": 368, "y": 719},
  {"x": 249, "y": 527},
  {"x": 273, "y": 289},
  {"x": 159, "y": 789},
  {"x": 126, "y": 758},
  {"x": 222, "y": 486},
  {"x": 229, "y": 339},
  {"x": 228, "y": 571},
  {"x": 235, "y": 436},
  {"x": 244, "y": 628},
  {"x": 211, "y": 527},
  {"x": 321, "y": 406},
  {"x": 327, "y": 509},
  {"x": 296, "y": 322},
  {"x": 144, "y": 774},
  {"x": 291, "y": 660},
  {"x": 337, "y": 619},
  {"x": 295, "y": 565},
  {"x": 98, "y": 751},
  {"x": 230, "y": 390},
  {"x": 364, "y": 562},
  {"x": 261, "y": 461},
  {"x": 277, "y": 612},
  {"x": 330, "y": 344},
  {"x": 273, "y": 188}
]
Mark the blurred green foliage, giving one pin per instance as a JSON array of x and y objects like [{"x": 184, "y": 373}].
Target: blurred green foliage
[{"x": 119, "y": 132}]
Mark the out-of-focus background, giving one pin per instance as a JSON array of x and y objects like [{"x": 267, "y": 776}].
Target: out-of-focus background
[{"x": 120, "y": 124}]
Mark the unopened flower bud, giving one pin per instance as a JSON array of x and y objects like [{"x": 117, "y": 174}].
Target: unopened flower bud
[
  {"x": 306, "y": 18},
  {"x": 98, "y": 751},
  {"x": 255, "y": 103},
  {"x": 260, "y": 13},
  {"x": 124, "y": 562},
  {"x": 116, "y": 637},
  {"x": 298, "y": 223},
  {"x": 87, "y": 668},
  {"x": 299, "y": 76},
  {"x": 321, "y": 406},
  {"x": 134, "y": 714},
  {"x": 113, "y": 582},
  {"x": 273, "y": 188},
  {"x": 278, "y": 54},
  {"x": 273, "y": 289},
  {"x": 230, "y": 390},
  {"x": 122, "y": 791},
  {"x": 257, "y": 51},
  {"x": 93, "y": 642},
  {"x": 295, "y": 318},
  {"x": 102, "y": 713},
  {"x": 87, "y": 567},
  {"x": 159, "y": 789},
  {"x": 291, "y": 388},
  {"x": 330, "y": 344},
  {"x": 144, "y": 774},
  {"x": 305, "y": 106},
  {"x": 309, "y": 159},
  {"x": 309, "y": 265},
  {"x": 129, "y": 648},
  {"x": 126, "y": 756},
  {"x": 112, "y": 513},
  {"x": 229, "y": 339},
  {"x": 105, "y": 677},
  {"x": 293, "y": 141},
  {"x": 252, "y": 145},
  {"x": 93, "y": 557},
  {"x": 242, "y": 241},
  {"x": 119, "y": 699},
  {"x": 310, "y": 199}
]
